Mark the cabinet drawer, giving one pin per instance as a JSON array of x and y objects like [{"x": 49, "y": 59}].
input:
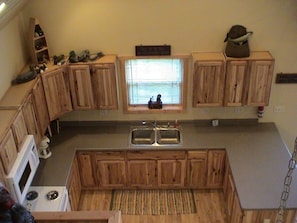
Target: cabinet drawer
[
  {"x": 201, "y": 154},
  {"x": 120, "y": 155},
  {"x": 156, "y": 155}
]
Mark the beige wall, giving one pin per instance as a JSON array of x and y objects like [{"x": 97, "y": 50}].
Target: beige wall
[
  {"x": 13, "y": 55},
  {"x": 115, "y": 26}
]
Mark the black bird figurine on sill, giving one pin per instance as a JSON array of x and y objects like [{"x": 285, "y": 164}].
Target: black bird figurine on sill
[{"x": 155, "y": 104}]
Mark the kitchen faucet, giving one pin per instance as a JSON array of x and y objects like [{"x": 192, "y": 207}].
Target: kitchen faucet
[{"x": 154, "y": 123}]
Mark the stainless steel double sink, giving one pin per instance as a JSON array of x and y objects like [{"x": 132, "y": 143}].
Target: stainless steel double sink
[{"x": 155, "y": 136}]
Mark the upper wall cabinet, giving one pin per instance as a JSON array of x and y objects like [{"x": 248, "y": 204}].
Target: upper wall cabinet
[
  {"x": 81, "y": 87},
  {"x": 93, "y": 85},
  {"x": 40, "y": 106},
  {"x": 248, "y": 80},
  {"x": 208, "y": 79},
  {"x": 105, "y": 86},
  {"x": 56, "y": 93}
]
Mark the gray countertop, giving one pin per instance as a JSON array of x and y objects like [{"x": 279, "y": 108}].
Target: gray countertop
[{"x": 257, "y": 155}]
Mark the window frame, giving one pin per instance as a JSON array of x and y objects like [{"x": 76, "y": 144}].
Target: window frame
[{"x": 144, "y": 108}]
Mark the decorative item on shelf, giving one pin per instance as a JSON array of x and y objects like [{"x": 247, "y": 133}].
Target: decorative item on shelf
[
  {"x": 38, "y": 47},
  {"x": 84, "y": 56},
  {"x": 155, "y": 104},
  {"x": 26, "y": 76},
  {"x": 59, "y": 60},
  {"x": 237, "y": 42}
]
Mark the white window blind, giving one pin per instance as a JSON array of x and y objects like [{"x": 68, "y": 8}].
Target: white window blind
[{"x": 147, "y": 78}]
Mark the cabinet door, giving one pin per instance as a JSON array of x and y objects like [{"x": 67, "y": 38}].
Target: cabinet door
[
  {"x": 111, "y": 173},
  {"x": 171, "y": 173},
  {"x": 56, "y": 93},
  {"x": 215, "y": 168},
  {"x": 40, "y": 106},
  {"x": 141, "y": 173},
  {"x": 81, "y": 87},
  {"x": 85, "y": 165},
  {"x": 74, "y": 186},
  {"x": 19, "y": 129},
  {"x": 260, "y": 80},
  {"x": 197, "y": 169},
  {"x": 208, "y": 83},
  {"x": 8, "y": 152},
  {"x": 104, "y": 86},
  {"x": 230, "y": 192},
  {"x": 31, "y": 119},
  {"x": 235, "y": 82},
  {"x": 237, "y": 215}
]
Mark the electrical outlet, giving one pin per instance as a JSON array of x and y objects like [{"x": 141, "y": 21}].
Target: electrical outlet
[
  {"x": 266, "y": 221},
  {"x": 279, "y": 108}
]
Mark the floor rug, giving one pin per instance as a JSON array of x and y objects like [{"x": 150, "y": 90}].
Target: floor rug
[{"x": 153, "y": 202}]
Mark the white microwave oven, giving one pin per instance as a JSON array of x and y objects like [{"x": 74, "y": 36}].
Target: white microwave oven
[{"x": 22, "y": 173}]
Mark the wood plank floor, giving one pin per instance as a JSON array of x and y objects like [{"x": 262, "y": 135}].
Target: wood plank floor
[{"x": 209, "y": 203}]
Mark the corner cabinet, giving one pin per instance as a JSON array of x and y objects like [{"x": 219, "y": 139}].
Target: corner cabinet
[
  {"x": 248, "y": 80},
  {"x": 215, "y": 168},
  {"x": 197, "y": 166},
  {"x": 208, "y": 79},
  {"x": 56, "y": 93}
]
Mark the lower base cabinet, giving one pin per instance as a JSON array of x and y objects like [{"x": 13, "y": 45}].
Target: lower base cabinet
[
  {"x": 215, "y": 168},
  {"x": 171, "y": 173},
  {"x": 141, "y": 173},
  {"x": 85, "y": 164},
  {"x": 145, "y": 169},
  {"x": 197, "y": 166},
  {"x": 74, "y": 186},
  {"x": 110, "y": 169}
]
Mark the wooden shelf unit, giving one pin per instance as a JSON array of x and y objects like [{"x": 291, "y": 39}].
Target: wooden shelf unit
[{"x": 38, "y": 47}]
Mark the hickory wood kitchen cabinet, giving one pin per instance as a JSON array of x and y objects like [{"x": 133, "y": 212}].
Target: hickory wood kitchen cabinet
[
  {"x": 105, "y": 86},
  {"x": 227, "y": 81},
  {"x": 197, "y": 168},
  {"x": 156, "y": 169},
  {"x": 248, "y": 80},
  {"x": 30, "y": 115},
  {"x": 110, "y": 169},
  {"x": 94, "y": 85},
  {"x": 208, "y": 79},
  {"x": 81, "y": 87},
  {"x": 19, "y": 129},
  {"x": 215, "y": 168},
  {"x": 151, "y": 169},
  {"x": 234, "y": 211},
  {"x": 55, "y": 83},
  {"x": 40, "y": 106},
  {"x": 74, "y": 186},
  {"x": 8, "y": 151}
]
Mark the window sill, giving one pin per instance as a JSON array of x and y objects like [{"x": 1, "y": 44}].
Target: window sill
[{"x": 145, "y": 109}]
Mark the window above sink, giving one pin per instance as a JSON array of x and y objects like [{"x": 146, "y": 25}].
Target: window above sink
[{"x": 144, "y": 77}]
